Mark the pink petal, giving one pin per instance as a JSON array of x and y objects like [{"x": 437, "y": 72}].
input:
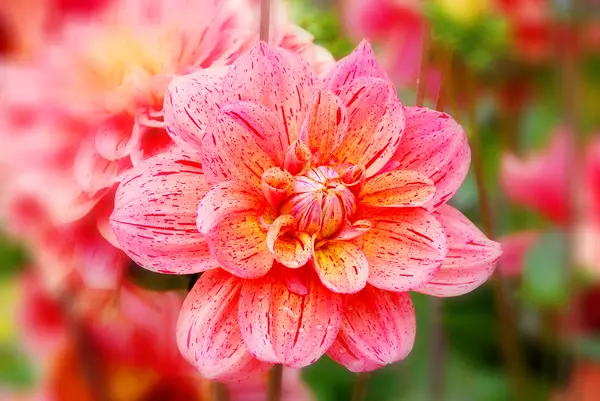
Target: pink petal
[
  {"x": 113, "y": 137},
  {"x": 399, "y": 188},
  {"x": 208, "y": 334},
  {"x": 93, "y": 172},
  {"x": 326, "y": 124},
  {"x": 239, "y": 244},
  {"x": 378, "y": 328},
  {"x": 231, "y": 152},
  {"x": 284, "y": 327},
  {"x": 265, "y": 124},
  {"x": 471, "y": 257},
  {"x": 155, "y": 215},
  {"x": 362, "y": 62},
  {"x": 190, "y": 105},
  {"x": 275, "y": 78},
  {"x": 435, "y": 145},
  {"x": 225, "y": 199},
  {"x": 341, "y": 266},
  {"x": 404, "y": 247},
  {"x": 539, "y": 182},
  {"x": 514, "y": 248},
  {"x": 375, "y": 126}
]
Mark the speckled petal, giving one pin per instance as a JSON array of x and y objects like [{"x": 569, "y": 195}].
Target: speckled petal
[
  {"x": 378, "y": 328},
  {"x": 326, "y": 124},
  {"x": 404, "y": 247},
  {"x": 284, "y": 327},
  {"x": 224, "y": 199},
  {"x": 435, "y": 145},
  {"x": 341, "y": 266},
  {"x": 375, "y": 124},
  {"x": 208, "y": 335},
  {"x": 399, "y": 188},
  {"x": 154, "y": 219},
  {"x": 471, "y": 257},
  {"x": 239, "y": 244},
  {"x": 231, "y": 152},
  {"x": 268, "y": 129},
  {"x": 360, "y": 63},
  {"x": 275, "y": 78},
  {"x": 190, "y": 105}
]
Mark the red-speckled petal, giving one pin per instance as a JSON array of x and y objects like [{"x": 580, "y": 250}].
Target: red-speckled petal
[
  {"x": 404, "y": 247},
  {"x": 360, "y": 63},
  {"x": 224, "y": 199},
  {"x": 208, "y": 335},
  {"x": 341, "y": 266},
  {"x": 239, "y": 244},
  {"x": 231, "y": 152},
  {"x": 375, "y": 124},
  {"x": 435, "y": 145},
  {"x": 378, "y": 328},
  {"x": 471, "y": 257},
  {"x": 190, "y": 105},
  {"x": 154, "y": 219},
  {"x": 326, "y": 124},
  {"x": 290, "y": 247},
  {"x": 284, "y": 327},
  {"x": 399, "y": 188},
  {"x": 268, "y": 129},
  {"x": 275, "y": 78}
]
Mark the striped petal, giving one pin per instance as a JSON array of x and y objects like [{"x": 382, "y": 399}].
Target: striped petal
[
  {"x": 435, "y": 145},
  {"x": 326, "y": 124},
  {"x": 281, "y": 326},
  {"x": 239, "y": 244},
  {"x": 375, "y": 124},
  {"x": 224, "y": 199},
  {"x": 399, "y": 188},
  {"x": 404, "y": 247},
  {"x": 208, "y": 335},
  {"x": 471, "y": 257},
  {"x": 275, "y": 78},
  {"x": 341, "y": 266},
  {"x": 360, "y": 63},
  {"x": 154, "y": 219},
  {"x": 190, "y": 105},
  {"x": 231, "y": 152},
  {"x": 378, "y": 328}
]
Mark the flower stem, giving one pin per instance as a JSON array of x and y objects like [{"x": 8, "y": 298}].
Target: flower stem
[
  {"x": 219, "y": 392},
  {"x": 509, "y": 343},
  {"x": 275, "y": 379},
  {"x": 265, "y": 16},
  {"x": 360, "y": 386}
]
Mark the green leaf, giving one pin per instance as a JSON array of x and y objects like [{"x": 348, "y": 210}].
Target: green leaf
[
  {"x": 544, "y": 276},
  {"x": 156, "y": 282}
]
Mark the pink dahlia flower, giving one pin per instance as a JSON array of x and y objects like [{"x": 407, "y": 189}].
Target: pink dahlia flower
[
  {"x": 542, "y": 182},
  {"x": 312, "y": 206},
  {"x": 399, "y": 27}
]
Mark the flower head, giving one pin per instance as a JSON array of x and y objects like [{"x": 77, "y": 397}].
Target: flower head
[{"x": 311, "y": 205}]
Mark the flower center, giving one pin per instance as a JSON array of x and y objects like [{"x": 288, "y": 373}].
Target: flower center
[{"x": 320, "y": 202}]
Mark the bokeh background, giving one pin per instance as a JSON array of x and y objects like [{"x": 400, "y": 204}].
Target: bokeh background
[{"x": 523, "y": 78}]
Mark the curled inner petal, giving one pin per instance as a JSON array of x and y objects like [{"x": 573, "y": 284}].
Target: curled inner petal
[
  {"x": 277, "y": 185},
  {"x": 298, "y": 158},
  {"x": 290, "y": 247}
]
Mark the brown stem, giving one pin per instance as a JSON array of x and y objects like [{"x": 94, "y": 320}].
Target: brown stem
[
  {"x": 275, "y": 379},
  {"x": 88, "y": 358},
  {"x": 219, "y": 392},
  {"x": 360, "y": 386},
  {"x": 422, "y": 80},
  {"x": 265, "y": 17},
  {"x": 509, "y": 343}
]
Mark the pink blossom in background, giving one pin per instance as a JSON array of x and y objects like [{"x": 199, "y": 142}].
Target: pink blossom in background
[
  {"x": 310, "y": 205},
  {"x": 133, "y": 338},
  {"x": 397, "y": 27},
  {"x": 89, "y": 107},
  {"x": 539, "y": 182}
]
